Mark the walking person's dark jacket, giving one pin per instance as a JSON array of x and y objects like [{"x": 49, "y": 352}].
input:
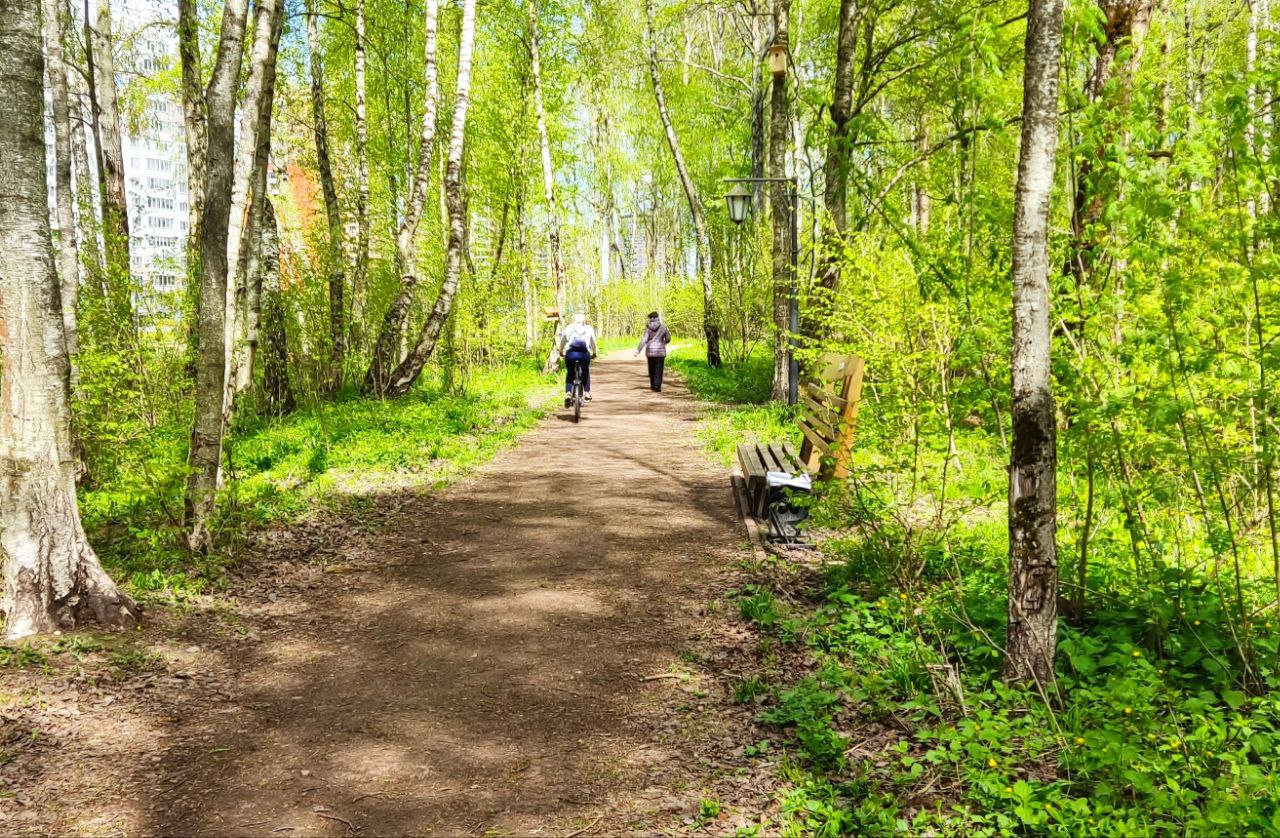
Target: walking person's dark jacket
[{"x": 653, "y": 343}]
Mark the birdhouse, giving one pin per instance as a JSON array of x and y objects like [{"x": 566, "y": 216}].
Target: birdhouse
[{"x": 778, "y": 59}]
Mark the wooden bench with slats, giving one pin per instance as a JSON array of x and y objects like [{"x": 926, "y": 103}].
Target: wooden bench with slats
[{"x": 828, "y": 417}]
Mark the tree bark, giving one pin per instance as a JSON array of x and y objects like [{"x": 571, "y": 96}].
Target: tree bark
[
  {"x": 360, "y": 278},
  {"x": 248, "y": 196},
  {"x": 386, "y": 352},
  {"x": 779, "y": 209},
  {"x": 548, "y": 181},
  {"x": 68, "y": 253},
  {"x": 710, "y": 321},
  {"x": 205, "y": 456},
  {"x": 411, "y": 367},
  {"x": 1033, "y": 558},
  {"x": 333, "y": 257},
  {"x": 115, "y": 213},
  {"x": 86, "y": 200},
  {"x": 275, "y": 357},
  {"x": 1125, "y": 24},
  {"x": 52, "y": 578},
  {"x": 194, "y": 119},
  {"x": 836, "y": 165}
]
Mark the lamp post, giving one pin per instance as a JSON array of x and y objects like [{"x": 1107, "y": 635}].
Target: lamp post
[{"x": 739, "y": 203}]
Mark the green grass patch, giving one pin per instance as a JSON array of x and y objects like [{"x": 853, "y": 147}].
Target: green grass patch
[
  {"x": 347, "y": 454},
  {"x": 738, "y": 395}
]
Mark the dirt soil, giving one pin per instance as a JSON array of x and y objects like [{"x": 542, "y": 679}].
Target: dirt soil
[{"x": 538, "y": 649}]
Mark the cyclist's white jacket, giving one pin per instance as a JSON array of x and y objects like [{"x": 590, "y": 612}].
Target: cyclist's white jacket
[{"x": 579, "y": 333}]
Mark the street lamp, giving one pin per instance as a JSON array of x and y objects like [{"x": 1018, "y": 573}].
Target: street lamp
[{"x": 739, "y": 202}]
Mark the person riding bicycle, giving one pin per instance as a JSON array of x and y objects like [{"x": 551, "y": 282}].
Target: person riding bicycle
[{"x": 577, "y": 344}]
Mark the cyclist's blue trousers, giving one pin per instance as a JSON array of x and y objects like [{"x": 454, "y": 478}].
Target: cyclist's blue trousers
[{"x": 577, "y": 356}]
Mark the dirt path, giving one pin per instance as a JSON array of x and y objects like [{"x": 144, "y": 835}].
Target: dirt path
[{"x": 479, "y": 665}]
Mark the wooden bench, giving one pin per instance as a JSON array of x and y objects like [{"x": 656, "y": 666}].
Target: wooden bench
[{"x": 828, "y": 417}]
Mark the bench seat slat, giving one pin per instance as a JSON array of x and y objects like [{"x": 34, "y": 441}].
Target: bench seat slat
[{"x": 753, "y": 467}]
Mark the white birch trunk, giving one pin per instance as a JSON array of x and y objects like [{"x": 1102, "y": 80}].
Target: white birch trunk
[
  {"x": 411, "y": 367},
  {"x": 1033, "y": 557},
  {"x": 52, "y": 578}
]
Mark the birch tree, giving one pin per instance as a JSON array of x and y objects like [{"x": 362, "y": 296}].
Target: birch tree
[
  {"x": 1033, "y": 501},
  {"x": 360, "y": 277},
  {"x": 333, "y": 212},
  {"x": 710, "y": 323},
  {"x": 52, "y": 578},
  {"x": 53, "y": 12},
  {"x": 205, "y": 457},
  {"x": 548, "y": 179},
  {"x": 779, "y": 208},
  {"x": 411, "y": 367},
  {"x": 106, "y": 118},
  {"x": 386, "y": 350}
]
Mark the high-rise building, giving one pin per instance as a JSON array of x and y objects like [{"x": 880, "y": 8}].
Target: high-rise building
[{"x": 155, "y": 151}]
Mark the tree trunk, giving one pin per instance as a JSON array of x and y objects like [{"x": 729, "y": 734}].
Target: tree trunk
[
  {"x": 194, "y": 120},
  {"x": 548, "y": 181},
  {"x": 52, "y": 578},
  {"x": 360, "y": 277},
  {"x": 275, "y": 356},
  {"x": 86, "y": 202},
  {"x": 1125, "y": 24},
  {"x": 333, "y": 256},
  {"x": 1033, "y": 502},
  {"x": 710, "y": 323},
  {"x": 836, "y": 166},
  {"x": 115, "y": 214},
  {"x": 779, "y": 211},
  {"x": 248, "y": 196},
  {"x": 386, "y": 352},
  {"x": 205, "y": 456},
  {"x": 411, "y": 367},
  {"x": 68, "y": 253}
]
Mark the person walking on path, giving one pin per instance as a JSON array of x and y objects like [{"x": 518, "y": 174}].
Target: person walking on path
[
  {"x": 577, "y": 344},
  {"x": 654, "y": 345}
]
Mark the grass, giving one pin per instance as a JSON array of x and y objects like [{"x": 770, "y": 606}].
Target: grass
[
  {"x": 738, "y": 397},
  {"x": 327, "y": 457}
]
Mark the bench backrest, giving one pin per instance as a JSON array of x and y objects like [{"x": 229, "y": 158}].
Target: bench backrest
[{"x": 829, "y": 415}]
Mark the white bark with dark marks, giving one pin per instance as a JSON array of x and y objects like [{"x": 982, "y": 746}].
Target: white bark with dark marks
[
  {"x": 1033, "y": 503},
  {"x": 411, "y": 367},
  {"x": 548, "y": 179},
  {"x": 68, "y": 253},
  {"x": 710, "y": 324},
  {"x": 205, "y": 457},
  {"x": 52, "y": 578},
  {"x": 386, "y": 353}
]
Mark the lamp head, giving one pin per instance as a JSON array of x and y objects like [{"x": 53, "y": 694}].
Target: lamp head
[{"x": 739, "y": 203}]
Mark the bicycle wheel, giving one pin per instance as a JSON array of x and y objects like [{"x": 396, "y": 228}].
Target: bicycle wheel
[{"x": 577, "y": 401}]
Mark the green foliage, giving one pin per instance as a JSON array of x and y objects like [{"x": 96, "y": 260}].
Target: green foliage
[{"x": 323, "y": 458}]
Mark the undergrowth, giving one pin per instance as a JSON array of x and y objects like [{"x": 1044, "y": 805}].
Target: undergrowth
[
  {"x": 325, "y": 457},
  {"x": 1164, "y": 718}
]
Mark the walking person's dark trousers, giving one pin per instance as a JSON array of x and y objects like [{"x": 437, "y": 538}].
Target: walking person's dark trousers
[{"x": 655, "y": 373}]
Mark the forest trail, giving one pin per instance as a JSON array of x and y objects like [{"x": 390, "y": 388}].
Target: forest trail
[{"x": 480, "y": 664}]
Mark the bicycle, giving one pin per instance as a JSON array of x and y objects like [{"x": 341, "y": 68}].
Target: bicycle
[{"x": 576, "y": 394}]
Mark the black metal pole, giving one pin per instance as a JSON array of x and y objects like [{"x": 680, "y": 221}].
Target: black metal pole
[{"x": 793, "y": 304}]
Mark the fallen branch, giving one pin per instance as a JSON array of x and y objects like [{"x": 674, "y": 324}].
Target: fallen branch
[{"x": 586, "y": 828}]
